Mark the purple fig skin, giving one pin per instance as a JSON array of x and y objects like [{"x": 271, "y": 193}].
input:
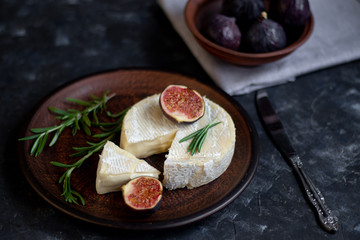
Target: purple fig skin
[
  {"x": 144, "y": 212},
  {"x": 264, "y": 36},
  {"x": 293, "y": 13},
  {"x": 245, "y": 11},
  {"x": 223, "y": 31}
]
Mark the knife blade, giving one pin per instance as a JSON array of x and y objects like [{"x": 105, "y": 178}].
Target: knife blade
[{"x": 275, "y": 129}]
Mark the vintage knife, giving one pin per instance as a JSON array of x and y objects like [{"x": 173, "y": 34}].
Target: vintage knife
[{"x": 277, "y": 132}]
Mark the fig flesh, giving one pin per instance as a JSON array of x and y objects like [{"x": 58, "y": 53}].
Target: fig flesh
[
  {"x": 223, "y": 31},
  {"x": 182, "y": 104},
  {"x": 292, "y": 13},
  {"x": 245, "y": 11},
  {"x": 265, "y": 35},
  {"x": 143, "y": 194}
]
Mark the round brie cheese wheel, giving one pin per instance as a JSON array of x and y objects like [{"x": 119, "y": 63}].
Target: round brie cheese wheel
[{"x": 147, "y": 131}]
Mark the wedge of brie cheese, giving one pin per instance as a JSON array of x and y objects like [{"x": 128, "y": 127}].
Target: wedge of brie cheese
[
  {"x": 147, "y": 131},
  {"x": 117, "y": 166}
]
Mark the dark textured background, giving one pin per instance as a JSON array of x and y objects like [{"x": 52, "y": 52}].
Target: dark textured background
[{"x": 47, "y": 44}]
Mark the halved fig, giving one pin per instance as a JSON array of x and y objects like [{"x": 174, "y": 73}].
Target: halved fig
[
  {"x": 143, "y": 194},
  {"x": 182, "y": 104}
]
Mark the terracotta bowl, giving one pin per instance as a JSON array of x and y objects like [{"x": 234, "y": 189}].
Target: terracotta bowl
[{"x": 197, "y": 10}]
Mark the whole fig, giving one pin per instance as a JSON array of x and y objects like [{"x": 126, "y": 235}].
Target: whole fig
[
  {"x": 265, "y": 35},
  {"x": 245, "y": 11},
  {"x": 223, "y": 31},
  {"x": 292, "y": 13}
]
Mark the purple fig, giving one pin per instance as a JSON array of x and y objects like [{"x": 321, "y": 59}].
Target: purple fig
[
  {"x": 293, "y": 13},
  {"x": 223, "y": 31},
  {"x": 265, "y": 35},
  {"x": 245, "y": 11}
]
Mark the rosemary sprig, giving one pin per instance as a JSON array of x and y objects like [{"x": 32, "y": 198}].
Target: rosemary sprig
[
  {"x": 70, "y": 195},
  {"x": 198, "y": 137},
  {"x": 76, "y": 119}
]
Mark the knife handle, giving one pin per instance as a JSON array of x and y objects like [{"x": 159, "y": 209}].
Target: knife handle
[{"x": 326, "y": 217}]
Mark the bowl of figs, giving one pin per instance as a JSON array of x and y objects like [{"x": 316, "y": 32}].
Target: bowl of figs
[{"x": 250, "y": 32}]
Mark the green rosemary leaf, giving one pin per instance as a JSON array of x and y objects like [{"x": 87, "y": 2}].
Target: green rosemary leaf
[
  {"x": 96, "y": 97},
  {"x": 56, "y": 136},
  {"x": 91, "y": 143},
  {"x": 36, "y": 144},
  {"x": 79, "y": 196},
  {"x": 193, "y": 142},
  {"x": 73, "y": 111},
  {"x": 82, "y": 151},
  {"x": 86, "y": 120},
  {"x": 214, "y": 124},
  {"x": 109, "y": 114},
  {"x": 102, "y": 135},
  {"x": 58, "y": 111},
  {"x": 62, "y": 117},
  {"x": 106, "y": 124},
  {"x": 80, "y": 102},
  {"x": 82, "y": 148},
  {"x": 201, "y": 142},
  {"x": 95, "y": 117},
  {"x": 73, "y": 131},
  {"x": 40, "y": 130},
  {"x": 41, "y": 144},
  {"x": 85, "y": 127},
  {"x": 78, "y": 154},
  {"x": 104, "y": 129},
  {"x": 198, "y": 138},
  {"x": 192, "y": 151},
  {"x": 191, "y": 135},
  {"x": 68, "y": 194},
  {"x": 117, "y": 115},
  {"x": 59, "y": 164},
  {"x": 29, "y": 137},
  {"x": 75, "y": 127},
  {"x": 61, "y": 179}
]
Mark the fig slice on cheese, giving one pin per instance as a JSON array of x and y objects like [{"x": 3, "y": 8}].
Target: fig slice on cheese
[
  {"x": 116, "y": 167},
  {"x": 182, "y": 104}
]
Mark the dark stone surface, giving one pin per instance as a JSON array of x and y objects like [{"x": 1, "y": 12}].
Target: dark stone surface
[{"x": 46, "y": 44}]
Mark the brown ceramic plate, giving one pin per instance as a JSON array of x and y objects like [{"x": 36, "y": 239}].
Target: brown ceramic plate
[{"x": 178, "y": 207}]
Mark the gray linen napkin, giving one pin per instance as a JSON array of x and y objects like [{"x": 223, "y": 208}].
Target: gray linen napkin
[{"x": 335, "y": 40}]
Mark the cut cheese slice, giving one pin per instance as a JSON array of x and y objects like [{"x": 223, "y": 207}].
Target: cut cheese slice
[
  {"x": 117, "y": 166},
  {"x": 147, "y": 131}
]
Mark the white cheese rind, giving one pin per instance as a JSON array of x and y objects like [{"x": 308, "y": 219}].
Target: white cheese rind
[
  {"x": 117, "y": 166},
  {"x": 183, "y": 170},
  {"x": 146, "y": 131}
]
